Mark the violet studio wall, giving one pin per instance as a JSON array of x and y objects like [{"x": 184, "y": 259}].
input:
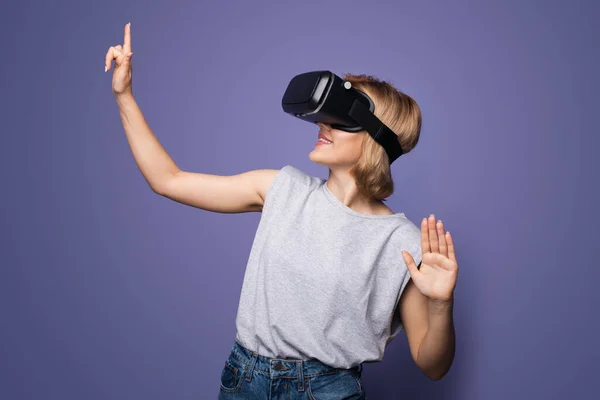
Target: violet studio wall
[{"x": 109, "y": 291}]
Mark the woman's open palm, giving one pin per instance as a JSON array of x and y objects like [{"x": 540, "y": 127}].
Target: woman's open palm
[
  {"x": 121, "y": 81},
  {"x": 437, "y": 276}
]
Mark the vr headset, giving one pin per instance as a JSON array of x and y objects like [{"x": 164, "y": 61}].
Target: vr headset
[{"x": 322, "y": 96}]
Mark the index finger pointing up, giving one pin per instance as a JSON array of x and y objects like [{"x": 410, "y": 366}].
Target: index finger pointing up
[{"x": 127, "y": 39}]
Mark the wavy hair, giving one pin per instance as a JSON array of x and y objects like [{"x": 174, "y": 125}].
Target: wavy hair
[{"x": 402, "y": 115}]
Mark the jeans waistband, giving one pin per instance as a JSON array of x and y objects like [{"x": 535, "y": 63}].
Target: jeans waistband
[{"x": 282, "y": 367}]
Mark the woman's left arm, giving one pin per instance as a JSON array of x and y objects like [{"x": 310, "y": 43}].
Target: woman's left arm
[
  {"x": 435, "y": 280},
  {"x": 436, "y": 351}
]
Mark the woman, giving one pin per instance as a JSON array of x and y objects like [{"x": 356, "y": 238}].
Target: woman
[{"x": 325, "y": 288}]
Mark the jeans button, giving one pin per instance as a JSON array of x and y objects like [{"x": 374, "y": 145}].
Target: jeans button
[{"x": 278, "y": 367}]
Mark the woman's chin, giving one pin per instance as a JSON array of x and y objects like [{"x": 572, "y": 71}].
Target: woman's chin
[
  {"x": 319, "y": 160},
  {"x": 316, "y": 158}
]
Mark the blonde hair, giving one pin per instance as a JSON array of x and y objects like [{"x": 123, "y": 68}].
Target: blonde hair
[{"x": 402, "y": 115}]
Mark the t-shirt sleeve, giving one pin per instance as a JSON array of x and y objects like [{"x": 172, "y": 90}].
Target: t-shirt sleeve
[
  {"x": 288, "y": 184},
  {"x": 414, "y": 248},
  {"x": 411, "y": 244},
  {"x": 280, "y": 182}
]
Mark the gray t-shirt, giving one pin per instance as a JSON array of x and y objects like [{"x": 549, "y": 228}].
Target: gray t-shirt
[{"x": 322, "y": 280}]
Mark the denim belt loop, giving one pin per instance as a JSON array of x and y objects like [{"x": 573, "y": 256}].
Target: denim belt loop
[
  {"x": 251, "y": 366},
  {"x": 300, "y": 371}
]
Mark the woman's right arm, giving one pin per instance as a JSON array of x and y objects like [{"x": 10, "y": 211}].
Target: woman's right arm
[
  {"x": 244, "y": 192},
  {"x": 240, "y": 193}
]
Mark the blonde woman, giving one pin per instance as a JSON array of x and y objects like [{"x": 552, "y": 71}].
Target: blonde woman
[{"x": 328, "y": 281}]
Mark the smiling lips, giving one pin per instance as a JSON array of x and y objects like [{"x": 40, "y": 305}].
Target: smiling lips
[{"x": 323, "y": 140}]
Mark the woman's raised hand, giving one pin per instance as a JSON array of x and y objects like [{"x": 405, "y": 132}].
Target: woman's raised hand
[
  {"x": 437, "y": 276},
  {"x": 121, "y": 81}
]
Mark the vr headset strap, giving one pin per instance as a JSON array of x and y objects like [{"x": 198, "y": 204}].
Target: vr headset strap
[{"x": 377, "y": 129}]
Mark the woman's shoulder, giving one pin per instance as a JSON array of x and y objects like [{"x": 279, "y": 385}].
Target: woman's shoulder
[
  {"x": 407, "y": 233},
  {"x": 300, "y": 176}
]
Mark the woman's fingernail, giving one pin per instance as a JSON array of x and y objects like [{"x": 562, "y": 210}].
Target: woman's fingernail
[{"x": 105, "y": 68}]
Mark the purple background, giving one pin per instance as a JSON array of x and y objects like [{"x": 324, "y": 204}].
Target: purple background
[{"x": 109, "y": 291}]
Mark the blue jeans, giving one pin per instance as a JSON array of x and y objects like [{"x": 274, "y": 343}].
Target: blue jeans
[{"x": 248, "y": 375}]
